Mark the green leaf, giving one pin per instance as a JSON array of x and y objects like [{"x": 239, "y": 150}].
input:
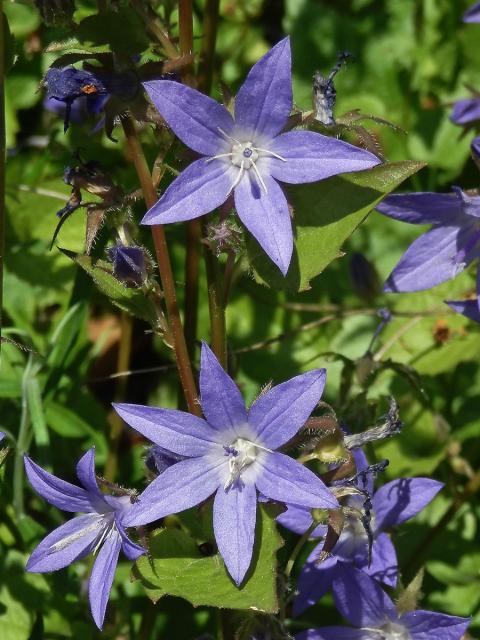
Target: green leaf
[
  {"x": 326, "y": 213},
  {"x": 129, "y": 299},
  {"x": 63, "y": 340},
  {"x": 177, "y": 567},
  {"x": 125, "y": 33},
  {"x": 35, "y": 408}
]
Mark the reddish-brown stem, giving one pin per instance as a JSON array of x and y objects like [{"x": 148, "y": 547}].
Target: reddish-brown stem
[
  {"x": 165, "y": 269},
  {"x": 193, "y": 232}
]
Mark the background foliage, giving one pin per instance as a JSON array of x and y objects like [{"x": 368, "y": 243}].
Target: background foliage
[{"x": 411, "y": 59}]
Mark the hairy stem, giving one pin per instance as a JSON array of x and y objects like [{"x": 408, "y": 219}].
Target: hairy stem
[
  {"x": 165, "y": 269},
  {"x": 116, "y": 423},
  {"x": 193, "y": 228}
]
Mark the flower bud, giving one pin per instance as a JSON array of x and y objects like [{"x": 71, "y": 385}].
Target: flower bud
[{"x": 129, "y": 265}]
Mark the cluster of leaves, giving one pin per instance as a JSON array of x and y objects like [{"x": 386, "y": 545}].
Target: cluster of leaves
[{"x": 408, "y": 57}]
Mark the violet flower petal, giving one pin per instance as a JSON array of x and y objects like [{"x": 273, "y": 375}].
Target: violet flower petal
[
  {"x": 466, "y": 111},
  {"x": 267, "y": 217},
  {"x": 333, "y": 633},
  {"x": 425, "y": 625},
  {"x": 86, "y": 473},
  {"x": 469, "y": 308},
  {"x": 430, "y": 260},
  {"x": 234, "y": 515},
  {"x": 221, "y": 400},
  {"x": 264, "y": 101},
  {"x": 101, "y": 577},
  {"x": 277, "y": 415},
  {"x": 473, "y": 13},
  {"x": 423, "y": 208},
  {"x": 199, "y": 189},
  {"x": 286, "y": 480},
  {"x": 401, "y": 499},
  {"x": 384, "y": 564},
  {"x": 314, "y": 581},
  {"x": 181, "y": 486},
  {"x": 194, "y": 117},
  {"x": 360, "y": 600},
  {"x": 174, "y": 430},
  {"x": 61, "y": 494},
  {"x": 71, "y": 541},
  {"x": 311, "y": 156}
]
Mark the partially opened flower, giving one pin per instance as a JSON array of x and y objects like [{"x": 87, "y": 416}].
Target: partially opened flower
[
  {"x": 247, "y": 154},
  {"x": 394, "y": 503},
  {"x": 101, "y": 530},
  {"x": 373, "y": 615},
  {"x": 230, "y": 454},
  {"x": 446, "y": 249},
  {"x": 472, "y": 14}
]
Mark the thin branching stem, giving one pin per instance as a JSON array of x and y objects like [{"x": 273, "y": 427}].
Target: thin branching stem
[{"x": 165, "y": 270}]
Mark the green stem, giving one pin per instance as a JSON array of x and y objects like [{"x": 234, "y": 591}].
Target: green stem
[
  {"x": 216, "y": 308},
  {"x": 298, "y": 547},
  {"x": 165, "y": 270},
  {"x": 116, "y": 423},
  {"x": 2, "y": 163},
  {"x": 22, "y": 445},
  {"x": 291, "y": 562}
]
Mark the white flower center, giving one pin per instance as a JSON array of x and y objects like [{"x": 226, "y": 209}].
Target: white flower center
[
  {"x": 394, "y": 631},
  {"x": 389, "y": 631},
  {"x": 245, "y": 155},
  {"x": 241, "y": 453}
]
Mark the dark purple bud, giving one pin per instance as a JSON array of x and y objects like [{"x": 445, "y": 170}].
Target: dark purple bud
[
  {"x": 129, "y": 264},
  {"x": 159, "y": 459},
  {"x": 78, "y": 109},
  {"x": 364, "y": 277},
  {"x": 68, "y": 84}
]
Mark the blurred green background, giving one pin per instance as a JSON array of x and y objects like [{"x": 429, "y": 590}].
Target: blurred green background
[{"x": 412, "y": 58}]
